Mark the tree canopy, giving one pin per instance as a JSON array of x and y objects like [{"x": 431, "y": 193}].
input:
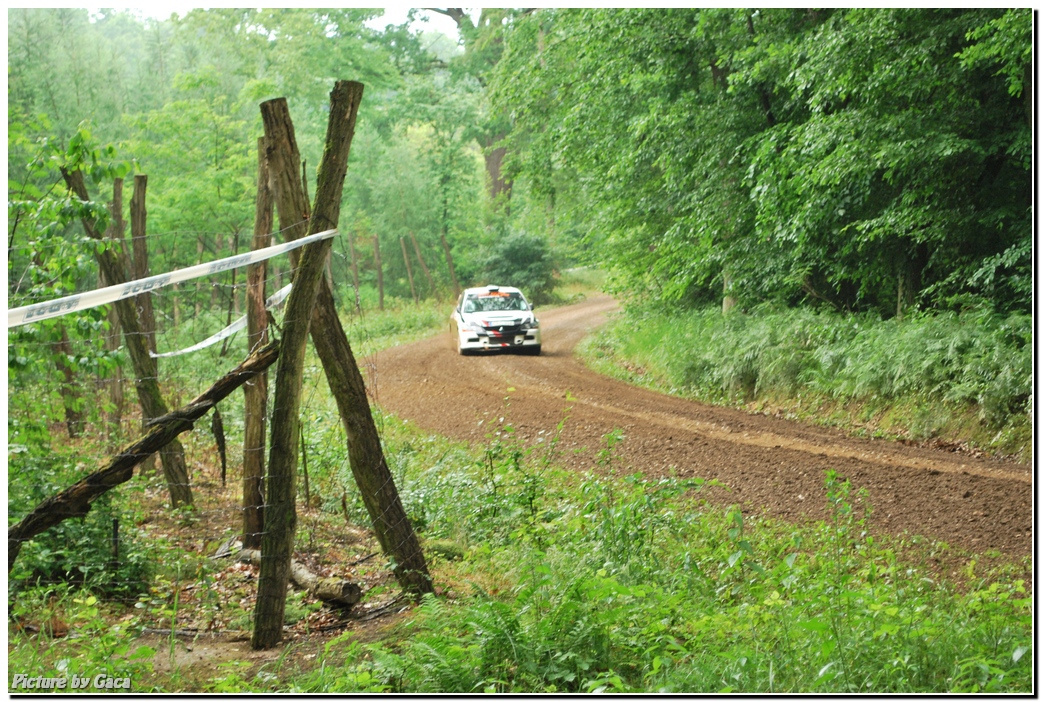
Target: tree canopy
[{"x": 860, "y": 159}]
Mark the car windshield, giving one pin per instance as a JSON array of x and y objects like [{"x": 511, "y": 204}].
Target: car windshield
[{"x": 494, "y": 302}]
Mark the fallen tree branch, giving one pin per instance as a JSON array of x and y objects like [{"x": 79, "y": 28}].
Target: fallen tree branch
[
  {"x": 76, "y": 501},
  {"x": 335, "y": 591}
]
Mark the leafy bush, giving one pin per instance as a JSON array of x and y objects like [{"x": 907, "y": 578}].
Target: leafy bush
[
  {"x": 979, "y": 361},
  {"x": 524, "y": 261},
  {"x": 79, "y": 550}
]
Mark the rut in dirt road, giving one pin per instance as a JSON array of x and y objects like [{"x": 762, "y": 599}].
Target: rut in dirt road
[{"x": 769, "y": 464}]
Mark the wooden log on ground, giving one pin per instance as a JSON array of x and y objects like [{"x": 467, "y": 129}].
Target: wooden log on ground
[
  {"x": 335, "y": 591},
  {"x": 76, "y": 501}
]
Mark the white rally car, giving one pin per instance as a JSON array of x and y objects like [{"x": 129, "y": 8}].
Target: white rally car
[{"x": 494, "y": 317}]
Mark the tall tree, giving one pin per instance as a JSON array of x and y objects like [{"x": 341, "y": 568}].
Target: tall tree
[
  {"x": 847, "y": 157},
  {"x": 114, "y": 265}
]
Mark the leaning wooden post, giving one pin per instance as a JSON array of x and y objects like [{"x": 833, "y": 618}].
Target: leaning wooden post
[
  {"x": 113, "y": 264},
  {"x": 255, "y": 391},
  {"x": 76, "y": 500},
  {"x": 276, "y": 546},
  {"x": 368, "y": 464}
]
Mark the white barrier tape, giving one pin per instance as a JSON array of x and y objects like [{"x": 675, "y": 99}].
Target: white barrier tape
[
  {"x": 227, "y": 331},
  {"x": 103, "y": 296}
]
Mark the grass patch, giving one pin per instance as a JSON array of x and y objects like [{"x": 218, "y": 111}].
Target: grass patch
[
  {"x": 604, "y": 583},
  {"x": 958, "y": 378},
  {"x": 556, "y": 582}
]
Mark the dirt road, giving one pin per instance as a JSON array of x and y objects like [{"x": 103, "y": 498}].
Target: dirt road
[{"x": 771, "y": 465}]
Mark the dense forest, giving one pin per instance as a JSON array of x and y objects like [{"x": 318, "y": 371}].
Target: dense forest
[
  {"x": 855, "y": 159},
  {"x": 826, "y": 211}
]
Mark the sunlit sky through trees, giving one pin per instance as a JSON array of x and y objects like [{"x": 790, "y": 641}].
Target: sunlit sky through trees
[{"x": 393, "y": 14}]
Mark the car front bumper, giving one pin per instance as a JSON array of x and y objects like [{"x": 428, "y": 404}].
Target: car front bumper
[{"x": 488, "y": 340}]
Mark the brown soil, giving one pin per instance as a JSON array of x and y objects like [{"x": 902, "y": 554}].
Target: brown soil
[{"x": 771, "y": 465}]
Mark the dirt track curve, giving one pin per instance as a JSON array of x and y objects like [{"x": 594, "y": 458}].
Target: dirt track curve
[{"x": 771, "y": 465}]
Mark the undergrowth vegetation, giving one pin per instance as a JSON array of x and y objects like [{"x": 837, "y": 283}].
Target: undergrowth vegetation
[
  {"x": 548, "y": 581},
  {"x": 608, "y": 582},
  {"x": 961, "y": 376}
]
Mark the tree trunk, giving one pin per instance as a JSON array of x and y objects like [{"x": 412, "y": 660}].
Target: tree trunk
[
  {"x": 379, "y": 267},
  {"x": 69, "y": 390},
  {"x": 219, "y": 244},
  {"x": 900, "y": 295},
  {"x": 354, "y": 274},
  {"x": 176, "y": 305},
  {"x": 729, "y": 301},
  {"x": 255, "y": 391},
  {"x": 280, "y": 511},
  {"x": 451, "y": 266},
  {"x": 233, "y": 300},
  {"x": 499, "y": 187},
  {"x": 113, "y": 265},
  {"x": 139, "y": 245},
  {"x": 368, "y": 464},
  {"x": 422, "y": 264},
  {"x": 408, "y": 269},
  {"x": 113, "y": 415},
  {"x": 77, "y": 500},
  {"x": 114, "y": 418}
]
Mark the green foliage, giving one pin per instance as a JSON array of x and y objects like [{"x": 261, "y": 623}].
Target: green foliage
[
  {"x": 869, "y": 159},
  {"x": 524, "y": 261},
  {"x": 629, "y": 585},
  {"x": 978, "y": 361},
  {"x": 78, "y": 551},
  {"x": 99, "y": 648}
]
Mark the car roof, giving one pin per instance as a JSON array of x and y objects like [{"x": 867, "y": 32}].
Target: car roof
[{"x": 490, "y": 288}]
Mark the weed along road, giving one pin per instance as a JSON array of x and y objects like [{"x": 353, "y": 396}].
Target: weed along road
[{"x": 771, "y": 465}]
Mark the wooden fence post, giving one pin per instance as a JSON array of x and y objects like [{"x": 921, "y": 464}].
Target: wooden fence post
[
  {"x": 255, "y": 391},
  {"x": 365, "y": 452},
  {"x": 280, "y": 511}
]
